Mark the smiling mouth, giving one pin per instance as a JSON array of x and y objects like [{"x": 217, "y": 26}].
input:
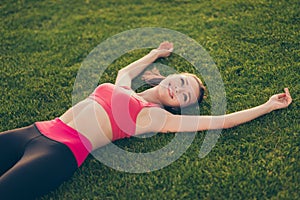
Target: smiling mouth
[{"x": 171, "y": 94}]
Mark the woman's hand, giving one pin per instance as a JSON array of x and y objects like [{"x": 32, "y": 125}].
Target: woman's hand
[
  {"x": 132, "y": 70},
  {"x": 281, "y": 100},
  {"x": 164, "y": 50}
]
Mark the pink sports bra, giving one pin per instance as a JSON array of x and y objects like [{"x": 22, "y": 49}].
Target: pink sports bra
[{"x": 121, "y": 107}]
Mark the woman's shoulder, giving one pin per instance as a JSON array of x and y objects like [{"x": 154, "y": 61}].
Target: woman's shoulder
[{"x": 151, "y": 119}]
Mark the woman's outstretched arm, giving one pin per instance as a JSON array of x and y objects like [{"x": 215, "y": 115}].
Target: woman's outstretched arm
[
  {"x": 163, "y": 121},
  {"x": 129, "y": 72}
]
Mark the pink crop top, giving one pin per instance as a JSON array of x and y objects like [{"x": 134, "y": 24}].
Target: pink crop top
[{"x": 121, "y": 107}]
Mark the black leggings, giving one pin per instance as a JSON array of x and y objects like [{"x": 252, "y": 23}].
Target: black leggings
[{"x": 32, "y": 164}]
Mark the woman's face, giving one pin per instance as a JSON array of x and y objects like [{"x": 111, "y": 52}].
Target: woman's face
[{"x": 178, "y": 90}]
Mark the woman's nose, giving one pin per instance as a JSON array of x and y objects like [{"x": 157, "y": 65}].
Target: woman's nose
[{"x": 179, "y": 89}]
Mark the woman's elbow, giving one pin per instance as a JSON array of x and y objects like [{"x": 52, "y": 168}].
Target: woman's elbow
[{"x": 221, "y": 122}]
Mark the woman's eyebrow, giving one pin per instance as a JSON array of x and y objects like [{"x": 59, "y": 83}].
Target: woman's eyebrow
[{"x": 186, "y": 81}]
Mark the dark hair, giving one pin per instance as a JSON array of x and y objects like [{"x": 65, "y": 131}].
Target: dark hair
[{"x": 153, "y": 78}]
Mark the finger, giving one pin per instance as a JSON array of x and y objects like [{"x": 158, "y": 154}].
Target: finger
[
  {"x": 166, "y": 43},
  {"x": 289, "y": 98},
  {"x": 169, "y": 45},
  {"x": 282, "y": 95},
  {"x": 287, "y": 92},
  {"x": 162, "y": 44}
]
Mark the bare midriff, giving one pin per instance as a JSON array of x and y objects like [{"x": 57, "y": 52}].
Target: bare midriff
[{"x": 91, "y": 120}]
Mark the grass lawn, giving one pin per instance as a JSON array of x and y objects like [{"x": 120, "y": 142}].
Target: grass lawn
[{"x": 255, "y": 45}]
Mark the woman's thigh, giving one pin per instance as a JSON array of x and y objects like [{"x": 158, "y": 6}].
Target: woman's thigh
[
  {"x": 12, "y": 145},
  {"x": 43, "y": 167}
]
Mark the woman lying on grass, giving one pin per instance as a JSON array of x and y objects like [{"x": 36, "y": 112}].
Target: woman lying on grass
[{"x": 38, "y": 158}]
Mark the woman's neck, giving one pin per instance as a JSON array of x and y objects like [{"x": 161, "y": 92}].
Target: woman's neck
[{"x": 150, "y": 95}]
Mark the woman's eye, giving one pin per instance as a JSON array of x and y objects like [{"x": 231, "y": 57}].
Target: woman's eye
[
  {"x": 185, "y": 97},
  {"x": 182, "y": 81}
]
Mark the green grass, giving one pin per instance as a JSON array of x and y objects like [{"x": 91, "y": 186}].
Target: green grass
[{"x": 255, "y": 45}]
